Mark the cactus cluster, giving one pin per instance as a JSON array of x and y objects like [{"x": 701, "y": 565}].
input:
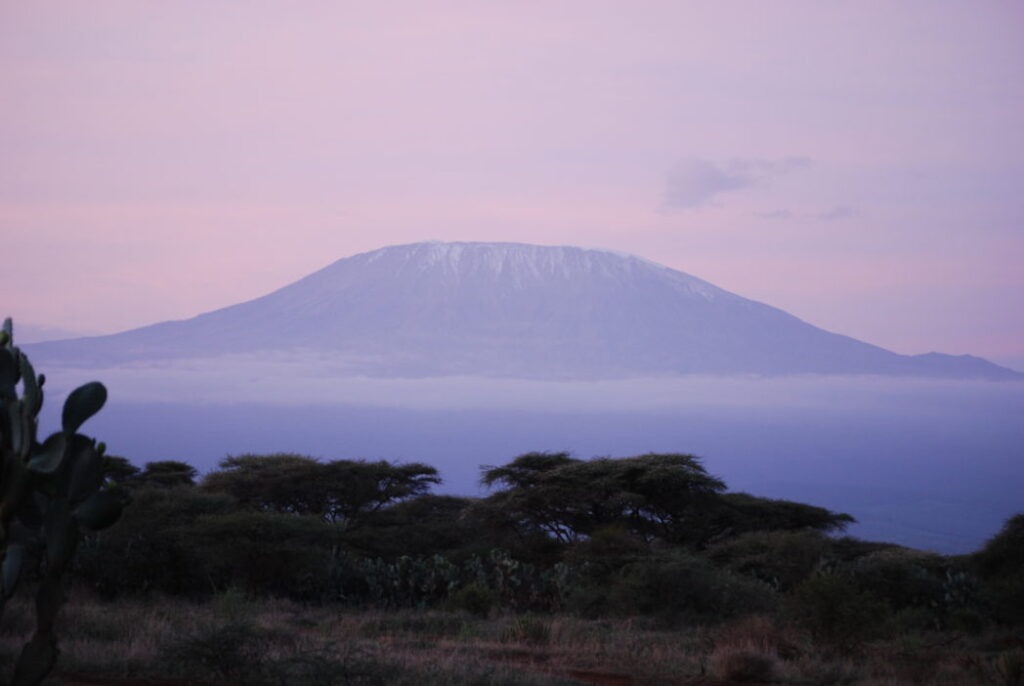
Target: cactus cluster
[{"x": 50, "y": 492}]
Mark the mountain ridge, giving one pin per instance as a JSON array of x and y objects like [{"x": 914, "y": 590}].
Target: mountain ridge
[{"x": 519, "y": 310}]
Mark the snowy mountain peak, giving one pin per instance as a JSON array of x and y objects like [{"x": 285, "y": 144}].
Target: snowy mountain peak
[
  {"x": 523, "y": 263},
  {"x": 512, "y": 309}
]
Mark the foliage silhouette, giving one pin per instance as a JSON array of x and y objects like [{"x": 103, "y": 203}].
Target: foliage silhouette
[
  {"x": 342, "y": 492},
  {"x": 50, "y": 493},
  {"x": 651, "y": 535},
  {"x": 657, "y": 497},
  {"x": 1001, "y": 564}
]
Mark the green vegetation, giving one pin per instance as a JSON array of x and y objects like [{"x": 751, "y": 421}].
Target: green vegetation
[
  {"x": 539, "y": 581},
  {"x": 233, "y": 638},
  {"x": 285, "y": 569},
  {"x": 50, "y": 493},
  {"x": 556, "y": 533}
]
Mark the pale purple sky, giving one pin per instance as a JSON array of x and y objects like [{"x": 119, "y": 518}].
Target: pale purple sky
[{"x": 857, "y": 163}]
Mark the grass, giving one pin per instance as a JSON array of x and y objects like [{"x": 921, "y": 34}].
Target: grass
[{"x": 236, "y": 640}]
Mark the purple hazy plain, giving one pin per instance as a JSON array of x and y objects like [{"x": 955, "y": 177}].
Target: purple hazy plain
[{"x": 858, "y": 164}]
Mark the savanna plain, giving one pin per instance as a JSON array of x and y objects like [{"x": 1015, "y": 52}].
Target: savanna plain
[
  {"x": 572, "y": 572},
  {"x": 279, "y": 568}
]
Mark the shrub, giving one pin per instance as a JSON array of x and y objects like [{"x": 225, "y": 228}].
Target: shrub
[
  {"x": 902, "y": 577},
  {"x": 528, "y": 629},
  {"x": 474, "y": 598},
  {"x": 320, "y": 668},
  {"x": 1004, "y": 598},
  {"x": 1003, "y": 554},
  {"x": 233, "y": 652},
  {"x": 758, "y": 633},
  {"x": 683, "y": 585},
  {"x": 240, "y": 652},
  {"x": 609, "y": 548},
  {"x": 1000, "y": 563},
  {"x": 265, "y": 553},
  {"x": 432, "y": 626},
  {"x": 781, "y": 559},
  {"x": 743, "y": 665},
  {"x": 1007, "y": 669},
  {"x": 832, "y": 609},
  {"x": 150, "y": 548},
  {"x": 749, "y": 650}
]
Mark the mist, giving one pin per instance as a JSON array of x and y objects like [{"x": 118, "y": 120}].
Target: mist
[{"x": 927, "y": 463}]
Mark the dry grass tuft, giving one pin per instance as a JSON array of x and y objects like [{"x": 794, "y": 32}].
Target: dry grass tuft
[
  {"x": 1007, "y": 669},
  {"x": 758, "y": 633},
  {"x": 237, "y": 639},
  {"x": 743, "y": 665}
]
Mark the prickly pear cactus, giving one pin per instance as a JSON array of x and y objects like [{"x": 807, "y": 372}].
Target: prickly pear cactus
[{"x": 49, "y": 493}]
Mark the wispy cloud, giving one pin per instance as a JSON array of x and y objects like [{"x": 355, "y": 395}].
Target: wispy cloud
[
  {"x": 693, "y": 182},
  {"x": 836, "y": 213},
  {"x": 775, "y": 214}
]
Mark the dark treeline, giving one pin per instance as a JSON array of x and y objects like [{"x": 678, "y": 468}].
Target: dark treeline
[{"x": 653, "y": 534}]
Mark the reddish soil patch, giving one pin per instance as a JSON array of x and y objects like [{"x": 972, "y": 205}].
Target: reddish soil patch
[
  {"x": 597, "y": 678},
  {"x": 77, "y": 680},
  {"x": 600, "y": 678}
]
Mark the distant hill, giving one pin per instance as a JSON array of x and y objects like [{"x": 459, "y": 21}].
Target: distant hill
[{"x": 505, "y": 309}]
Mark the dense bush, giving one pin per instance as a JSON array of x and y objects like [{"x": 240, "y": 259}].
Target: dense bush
[
  {"x": 1003, "y": 554},
  {"x": 902, "y": 578},
  {"x": 265, "y": 553},
  {"x": 235, "y": 652},
  {"x": 1000, "y": 564},
  {"x": 151, "y": 548},
  {"x": 782, "y": 559},
  {"x": 423, "y": 526},
  {"x": 674, "y": 587},
  {"x": 833, "y": 609},
  {"x": 427, "y": 581},
  {"x": 474, "y": 598},
  {"x": 743, "y": 665},
  {"x": 257, "y": 525}
]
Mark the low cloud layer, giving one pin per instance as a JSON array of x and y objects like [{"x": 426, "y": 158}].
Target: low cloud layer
[
  {"x": 296, "y": 380},
  {"x": 931, "y": 464}
]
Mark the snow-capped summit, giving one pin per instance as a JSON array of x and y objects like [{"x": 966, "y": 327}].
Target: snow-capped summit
[{"x": 512, "y": 309}]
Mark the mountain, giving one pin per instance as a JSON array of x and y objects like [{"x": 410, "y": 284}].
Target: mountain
[{"x": 505, "y": 309}]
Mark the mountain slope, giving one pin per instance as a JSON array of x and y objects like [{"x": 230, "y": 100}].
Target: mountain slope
[{"x": 513, "y": 310}]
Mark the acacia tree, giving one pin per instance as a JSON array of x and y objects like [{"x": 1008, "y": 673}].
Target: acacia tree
[
  {"x": 653, "y": 495},
  {"x": 343, "y": 492},
  {"x": 166, "y": 474},
  {"x": 744, "y": 513},
  {"x": 422, "y": 526},
  {"x": 666, "y": 497},
  {"x": 282, "y": 482}
]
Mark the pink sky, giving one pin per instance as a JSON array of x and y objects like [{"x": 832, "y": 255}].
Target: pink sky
[{"x": 859, "y": 164}]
